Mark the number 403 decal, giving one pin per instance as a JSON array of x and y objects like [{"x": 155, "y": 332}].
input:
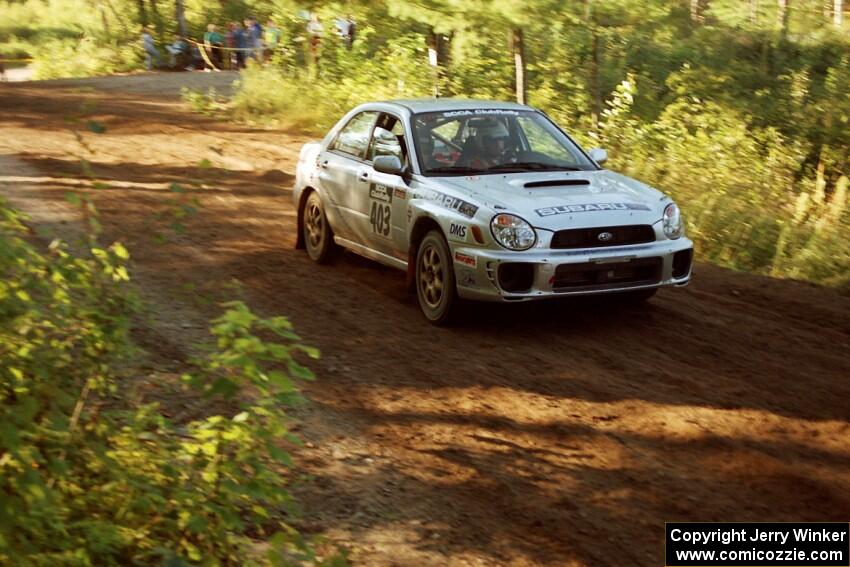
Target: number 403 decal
[{"x": 379, "y": 217}]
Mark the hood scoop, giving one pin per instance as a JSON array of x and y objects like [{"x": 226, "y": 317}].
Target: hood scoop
[{"x": 556, "y": 183}]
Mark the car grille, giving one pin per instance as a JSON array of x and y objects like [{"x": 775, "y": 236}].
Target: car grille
[
  {"x": 589, "y": 237},
  {"x": 593, "y": 276}
]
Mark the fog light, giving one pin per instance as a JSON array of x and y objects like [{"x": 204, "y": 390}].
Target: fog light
[
  {"x": 682, "y": 263},
  {"x": 515, "y": 277}
]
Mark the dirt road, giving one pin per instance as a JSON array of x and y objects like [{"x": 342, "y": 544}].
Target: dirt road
[{"x": 539, "y": 434}]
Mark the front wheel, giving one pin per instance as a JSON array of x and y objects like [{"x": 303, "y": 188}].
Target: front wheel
[
  {"x": 318, "y": 236},
  {"x": 435, "y": 279}
]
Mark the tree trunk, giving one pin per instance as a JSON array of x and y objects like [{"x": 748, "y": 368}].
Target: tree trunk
[
  {"x": 754, "y": 12},
  {"x": 118, "y": 17},
  {"x": 103, "y": 18},
  {"x": 784, "y": 14},
  {"x": 595, "y": 94},
  {"x": 143, "y": 13},
  {"x": 155, "y": 19},
  {"x": 438, "y": 58},
  {"x": 180, "y": 15},
  {"x": 695, "y": 11},
  {"x": 838, "y": 12},
  {"x": 519, "y": 64}
]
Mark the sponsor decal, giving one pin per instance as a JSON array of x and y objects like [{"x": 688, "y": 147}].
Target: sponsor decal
[
  {"x": 463, "y": 207},
  {"x": 481, "y": 111},
  {"x": 400, "y": 193},
  {"x": 380, "y": 193},
  {"x": 458, "y": 232},
  {"x": 466, "y": 259},
  {"x": 586, "y": 208}
]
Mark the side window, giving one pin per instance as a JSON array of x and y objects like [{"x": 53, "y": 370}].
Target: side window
[
  {"x": 354, "y": 137},
  {"x": 388, "y": 139}
]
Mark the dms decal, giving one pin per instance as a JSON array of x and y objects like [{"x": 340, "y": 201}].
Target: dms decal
[
  {"x": 459, "y": 205},
  {"x": 564, "y": 209},
  {"x": 458, "y": 232},
  {"x": 381, "y": 193},
  {"x": 466, "y": 259},
  {"x": 400, "y": 193}
]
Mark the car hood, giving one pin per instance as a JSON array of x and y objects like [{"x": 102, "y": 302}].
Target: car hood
[{"x": 555, "y": 200}]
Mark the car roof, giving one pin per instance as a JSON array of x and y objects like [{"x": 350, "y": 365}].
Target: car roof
[{"x": 418, "y": 105}]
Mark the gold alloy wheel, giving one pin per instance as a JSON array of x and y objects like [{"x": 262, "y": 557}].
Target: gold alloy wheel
[
  {"x": 431, "y": 276},
  {"x": 314, "y": 225}
]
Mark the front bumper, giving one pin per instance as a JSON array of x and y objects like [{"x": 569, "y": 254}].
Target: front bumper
[{"x": 547, "y": 273}]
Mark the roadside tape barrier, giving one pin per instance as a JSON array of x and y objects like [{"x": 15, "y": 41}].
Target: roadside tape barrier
[
  {"x": 223, "y": 48},
  {"x": 203, "y": 47}
]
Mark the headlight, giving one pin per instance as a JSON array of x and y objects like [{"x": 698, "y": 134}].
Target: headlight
[
  {"x": 512, "y": 232},
  {"x": 672, "y": 222}
]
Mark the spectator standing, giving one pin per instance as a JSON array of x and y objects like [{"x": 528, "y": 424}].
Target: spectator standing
[
  {"x": 177, "y": 52},
  {"x": 271, "y": 38},
  {"x": 345, "y": 28},
  {"x": 151, "y": 54},
  {"x": 213, "y": 42},
  {"x": 254, "y": 36},
  {"x": 315, "y": 30},
  {"x": 240, "y": 43}
]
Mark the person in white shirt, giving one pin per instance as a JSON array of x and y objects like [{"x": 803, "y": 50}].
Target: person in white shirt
[{"x": 151, "y": 54}]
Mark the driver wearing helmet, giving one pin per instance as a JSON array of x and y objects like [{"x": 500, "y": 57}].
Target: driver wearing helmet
[{"x": 488, "y": 146}]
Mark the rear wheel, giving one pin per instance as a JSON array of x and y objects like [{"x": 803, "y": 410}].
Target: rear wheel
[
  {"x": 318, "y": 236},
  {"x": 435, "y": 279}
]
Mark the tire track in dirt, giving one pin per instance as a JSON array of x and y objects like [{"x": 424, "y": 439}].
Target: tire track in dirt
[{"x": 538, "y": 434}]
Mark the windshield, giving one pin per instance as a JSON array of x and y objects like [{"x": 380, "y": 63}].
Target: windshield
[{"x": 484, "y": 141}]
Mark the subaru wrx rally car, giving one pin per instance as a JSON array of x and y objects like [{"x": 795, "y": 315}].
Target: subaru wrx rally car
[{"x": 486, "y": 201}]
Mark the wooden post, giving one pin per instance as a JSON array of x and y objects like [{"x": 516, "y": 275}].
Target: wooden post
[{"x": 519, "y": 64}]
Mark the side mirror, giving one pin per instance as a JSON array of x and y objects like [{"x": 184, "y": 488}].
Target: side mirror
[
  {"x": 598, "y": 155},
  {"x": 388, "y": 164}
]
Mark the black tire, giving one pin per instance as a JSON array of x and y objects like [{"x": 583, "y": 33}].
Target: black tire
[
  {"x": 435, "y": 279},
  {"x": 637, "y": 296},
  {"x": 317, "y": 233}
]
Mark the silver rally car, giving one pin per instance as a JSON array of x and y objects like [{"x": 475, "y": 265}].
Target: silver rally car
[{"x": 486, "y": 201}]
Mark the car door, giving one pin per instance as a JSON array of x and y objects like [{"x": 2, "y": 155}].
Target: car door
[
  {"x": 344, "y": 172},
  {"x": 386, "y": 202}
]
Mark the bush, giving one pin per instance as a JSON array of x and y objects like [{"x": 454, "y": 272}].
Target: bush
[
  {"x": 66, "y": 58},
  {"x": 312, "y": 100},
  {"x": 91, "y": 472}
]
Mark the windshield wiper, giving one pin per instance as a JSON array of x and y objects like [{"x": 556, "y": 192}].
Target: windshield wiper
[
  {"x": 455, "y": 169},
  {"x": 532, "y": 166}
]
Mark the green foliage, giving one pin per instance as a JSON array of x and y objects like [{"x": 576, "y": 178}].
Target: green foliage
[
  {"x": 61, "y": 58},
  {"x": 201, "y": 102},
  {"x": 92, "y": 473},
  {"x": 399, "y": 69}
]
